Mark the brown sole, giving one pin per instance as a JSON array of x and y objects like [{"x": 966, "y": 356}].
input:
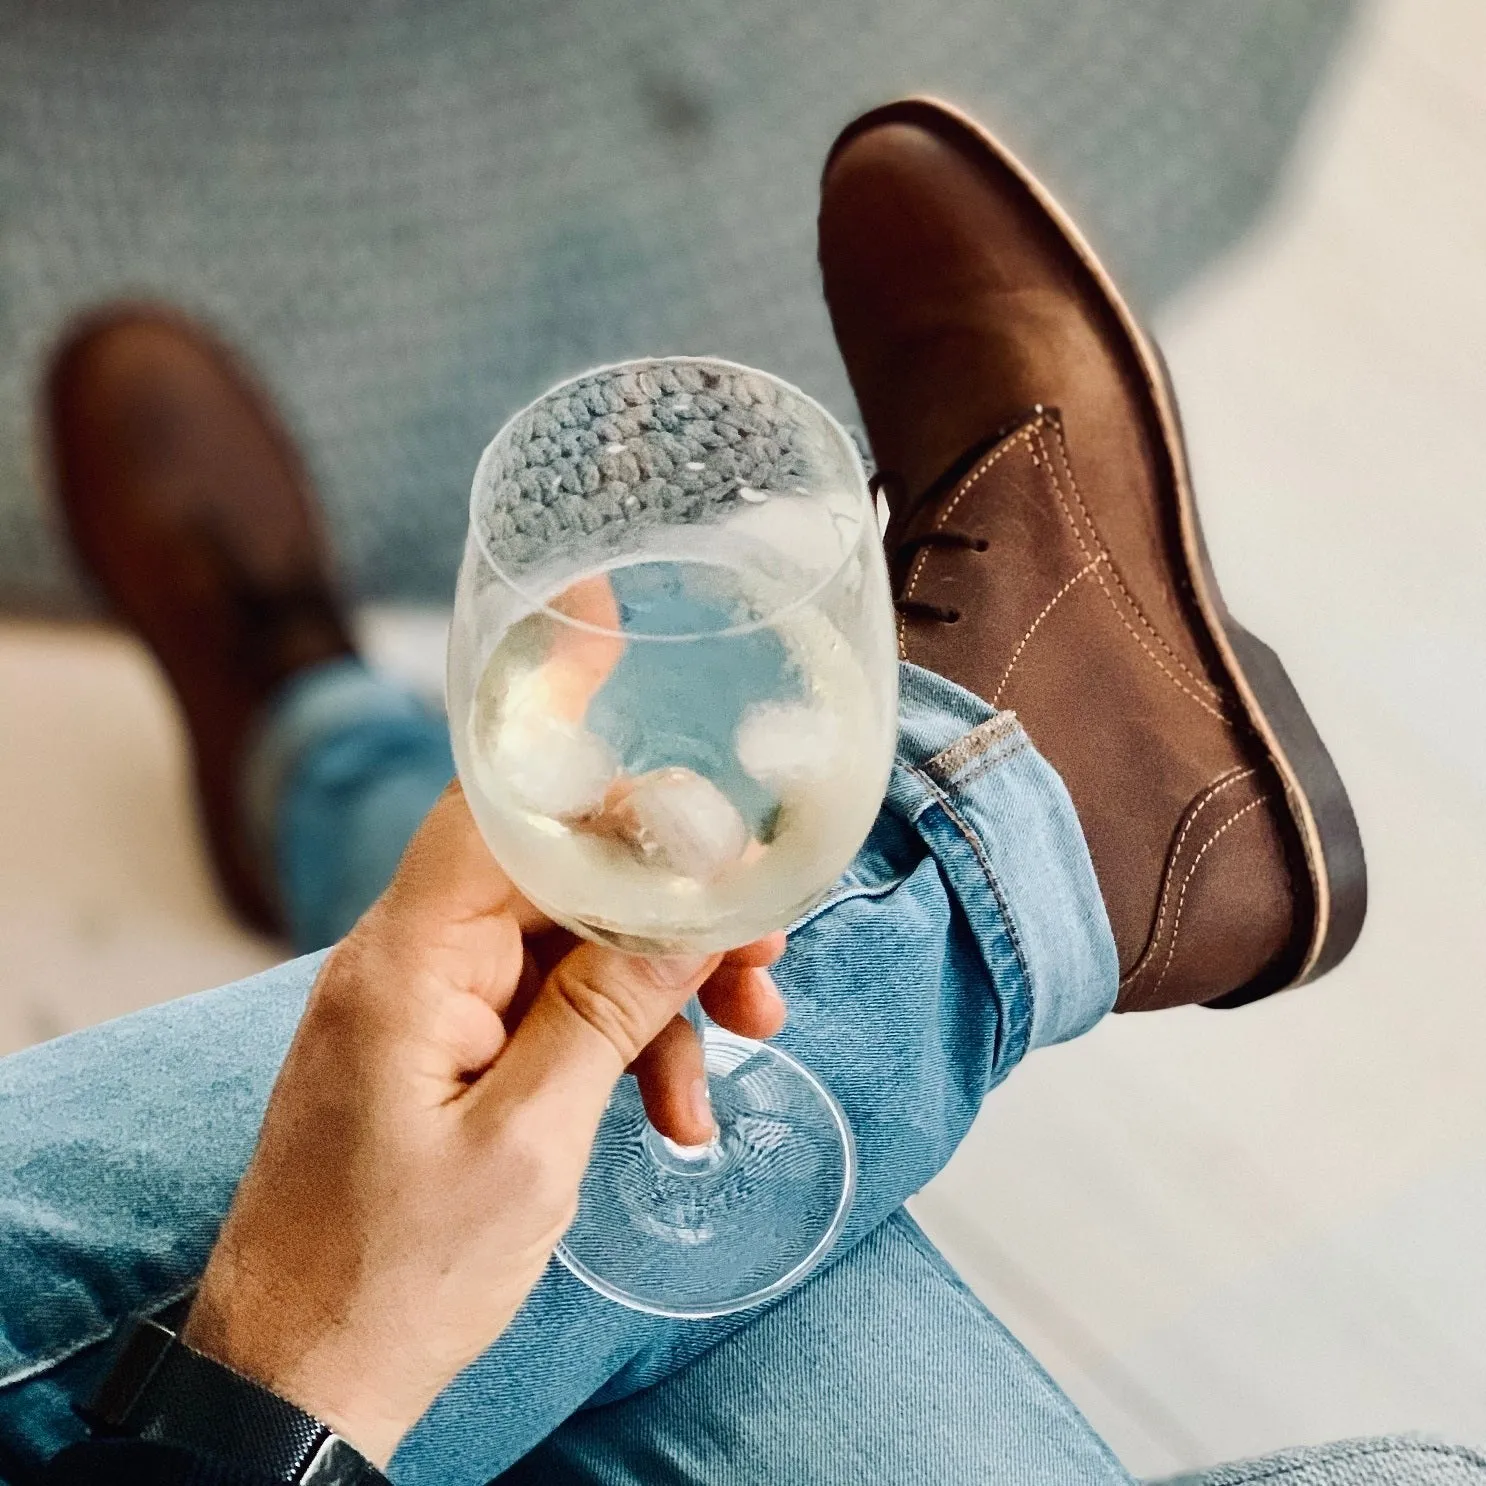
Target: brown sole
[{"x": 1323, "y": 826}]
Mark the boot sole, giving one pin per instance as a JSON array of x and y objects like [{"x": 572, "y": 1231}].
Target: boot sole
[{"x": 1323, "y": 826}]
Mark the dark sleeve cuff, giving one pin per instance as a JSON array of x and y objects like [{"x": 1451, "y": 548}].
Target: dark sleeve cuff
[{"x": 142, "y": 1463}]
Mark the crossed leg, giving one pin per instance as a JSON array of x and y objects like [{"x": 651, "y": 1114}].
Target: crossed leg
[{"x": 968, "y": 930}]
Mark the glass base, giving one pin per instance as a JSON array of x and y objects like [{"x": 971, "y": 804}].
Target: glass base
[{"x": 701, "y": 1231}]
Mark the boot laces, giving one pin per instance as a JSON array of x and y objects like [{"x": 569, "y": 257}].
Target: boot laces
[{"x": 891, "y": 488}]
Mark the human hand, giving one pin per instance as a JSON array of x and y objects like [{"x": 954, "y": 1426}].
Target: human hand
[{"x": 422, "y": 1149}]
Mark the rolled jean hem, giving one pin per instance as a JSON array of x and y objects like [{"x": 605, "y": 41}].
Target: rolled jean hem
[
  {"x": 344, "y": 767},
  {"x": 1020, "y": 866},
  {"x": 303, "y": 715}
]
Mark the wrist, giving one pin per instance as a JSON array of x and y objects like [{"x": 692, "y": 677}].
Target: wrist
[
  {"x": 300, "y": 1359},
  {"x": 161, "y": 1390}
]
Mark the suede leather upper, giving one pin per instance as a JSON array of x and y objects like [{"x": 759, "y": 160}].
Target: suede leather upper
[{"x": 1045, "y": 573}]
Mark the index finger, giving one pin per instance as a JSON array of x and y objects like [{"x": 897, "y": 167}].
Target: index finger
[{"x": 593, "y": 1014}]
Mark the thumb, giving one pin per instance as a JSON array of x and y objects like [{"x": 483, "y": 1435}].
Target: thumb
[{"x": 594, "y": 1013}]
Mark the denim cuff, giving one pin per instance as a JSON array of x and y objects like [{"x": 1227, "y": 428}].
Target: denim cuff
[
  {"x": 1005, "y": 833},
  {"x": 307, "y": 711}
]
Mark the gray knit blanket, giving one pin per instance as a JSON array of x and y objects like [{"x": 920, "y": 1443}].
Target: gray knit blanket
[
  {"x": 621, "y": 447},
  {"x": 414, "y": 217}
]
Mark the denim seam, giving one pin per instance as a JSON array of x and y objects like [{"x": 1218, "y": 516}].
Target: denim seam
[
  {"x": 858, "y": 889},
  {"x": 38, "y": 1369},
  {"x": 985, "y": 866},
  {"x": 996, "y": 891},
  {"x": 981, "y": 739},
  {"x": 989, "y": 761}
]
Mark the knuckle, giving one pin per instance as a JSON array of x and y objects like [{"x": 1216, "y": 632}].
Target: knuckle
[
  {"x": 612, "y": 1004},
  {"x": 337, "y": 995}
]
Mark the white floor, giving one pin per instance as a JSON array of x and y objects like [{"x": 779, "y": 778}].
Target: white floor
[{"x": 1222, "y": 1233}]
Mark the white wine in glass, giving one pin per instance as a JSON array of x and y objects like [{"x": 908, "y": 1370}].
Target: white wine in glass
[{"x": 673, "y": 702}]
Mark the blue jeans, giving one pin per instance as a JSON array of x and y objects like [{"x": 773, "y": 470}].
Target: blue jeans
[{"x": 968, "y": 930}]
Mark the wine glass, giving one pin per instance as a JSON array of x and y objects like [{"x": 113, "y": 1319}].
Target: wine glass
[{"x": 673, "y": 702}]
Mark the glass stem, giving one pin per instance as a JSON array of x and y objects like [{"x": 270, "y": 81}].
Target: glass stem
[
  {"x": 698, "y": 1018},
  {"x": 693, "y": 1013}
]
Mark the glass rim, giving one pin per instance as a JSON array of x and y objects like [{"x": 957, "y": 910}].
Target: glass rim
[{"x": 542, "y": 606}]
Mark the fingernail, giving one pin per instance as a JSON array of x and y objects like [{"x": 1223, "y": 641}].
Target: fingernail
[
  {"x": 701, "y": 1105},
  {"x": 770, "y": 987}
]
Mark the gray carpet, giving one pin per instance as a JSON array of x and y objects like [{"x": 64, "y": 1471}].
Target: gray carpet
[{"x": 414, "y": 217}]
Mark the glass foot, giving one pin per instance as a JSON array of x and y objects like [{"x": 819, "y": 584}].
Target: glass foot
[{"x": 701, "y": 1231}]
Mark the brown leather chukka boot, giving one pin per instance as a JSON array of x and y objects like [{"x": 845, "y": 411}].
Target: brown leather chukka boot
[
  {"x": 1047, "y": 555},
  {"x": 187, "y": 503}
]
